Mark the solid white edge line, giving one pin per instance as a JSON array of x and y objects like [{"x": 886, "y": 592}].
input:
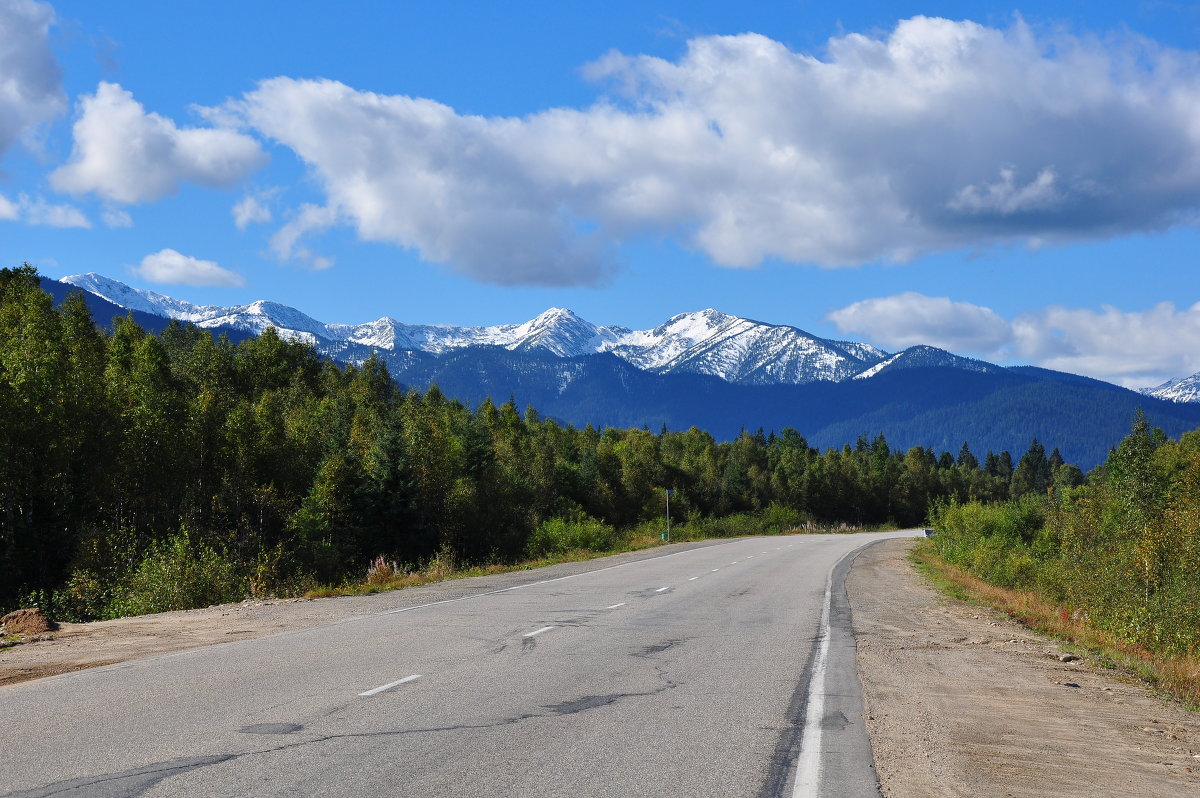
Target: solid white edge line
[
  {"x": 614, "y": 606},
  {"x": 808, "y": 764},
  {"x": 536, "y": 632},
  {"x": 390, "y": 685},
  {"x": 807, "y": 782}
]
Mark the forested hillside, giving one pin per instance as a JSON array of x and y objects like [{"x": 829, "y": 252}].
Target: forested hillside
[
  {"x": 132, "y": 460},
  {"x": 922, "y": 406}
]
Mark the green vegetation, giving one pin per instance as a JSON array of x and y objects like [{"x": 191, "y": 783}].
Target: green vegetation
[
  {"x": 1120, "y": 553},
  {"x": 1176, "y": 675},
  {"x": 146, "y": 472}
]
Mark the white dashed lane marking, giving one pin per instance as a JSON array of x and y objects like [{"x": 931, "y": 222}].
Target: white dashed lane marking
[{"x": 390, "y": 685}]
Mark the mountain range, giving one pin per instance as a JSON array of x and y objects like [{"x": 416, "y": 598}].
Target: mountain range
[{"x": 719, "y": 372}]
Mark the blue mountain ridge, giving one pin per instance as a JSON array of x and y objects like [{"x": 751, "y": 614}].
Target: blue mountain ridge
[{"x": 910, "y": 402}]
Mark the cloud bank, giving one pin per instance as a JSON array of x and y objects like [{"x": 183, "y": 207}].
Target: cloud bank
[
  {"x": 30, "y": 80},
  {"x": 1135, "y": 349},
  {"x": 171, "y": 267},
  {"x": 126, "y": 155},
  {"x": 940, "y": 135}
]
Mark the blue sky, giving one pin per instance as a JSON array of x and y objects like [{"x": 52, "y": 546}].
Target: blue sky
[{"x": 1019, "y": 183}]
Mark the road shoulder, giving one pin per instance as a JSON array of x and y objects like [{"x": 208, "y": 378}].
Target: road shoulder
[{"x": 963, "y": 701}]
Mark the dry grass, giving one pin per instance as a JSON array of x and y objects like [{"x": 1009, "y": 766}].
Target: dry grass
[
  {"x": 1176, "y": 676},
  {"x": 442, "y": 567}
]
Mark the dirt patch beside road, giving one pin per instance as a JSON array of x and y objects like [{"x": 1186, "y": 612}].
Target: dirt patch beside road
[{"x": 961, "y": 701}]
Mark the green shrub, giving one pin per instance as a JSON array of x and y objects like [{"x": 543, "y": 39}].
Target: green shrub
[
  {"x": 777, "y": 519},
  {"x": 579, "y": 531},
  {"x": 178, "y": 574},
  {"x": 85, "y": 596}
]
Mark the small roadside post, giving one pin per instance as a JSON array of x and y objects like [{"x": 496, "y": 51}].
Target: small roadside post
[{"x": 667, "y": 535}]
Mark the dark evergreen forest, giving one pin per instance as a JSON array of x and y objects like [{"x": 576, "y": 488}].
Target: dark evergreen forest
[{"x": 257, "y": 467}]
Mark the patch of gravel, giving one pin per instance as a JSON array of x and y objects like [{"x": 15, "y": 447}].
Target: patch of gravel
[{"x": 964, "y": 702}]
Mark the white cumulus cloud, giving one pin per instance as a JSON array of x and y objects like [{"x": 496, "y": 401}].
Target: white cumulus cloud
[
  {"x": 910, "y": 319},
  {"x": 37, "y": 211},
  {"x": 938, "y": 135},
  {"x": 30, "y": 79},
  {"x": 1132, "y": 348},
  {"x": 169, "y": 266},
  {"x": 126, "y": 155}
]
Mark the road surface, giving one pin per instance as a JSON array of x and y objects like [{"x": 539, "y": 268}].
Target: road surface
[{"x": 726, "y": 670}]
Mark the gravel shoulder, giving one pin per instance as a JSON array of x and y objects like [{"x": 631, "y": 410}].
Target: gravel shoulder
[{"x": 961, "y": 701}]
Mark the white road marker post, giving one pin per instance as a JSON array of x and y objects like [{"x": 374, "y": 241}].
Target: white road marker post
[{"x": 668, "y": 535}]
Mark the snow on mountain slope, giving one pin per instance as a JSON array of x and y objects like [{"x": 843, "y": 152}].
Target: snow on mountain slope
[
  {"x": 1182, "y": 389},
  {"x": 655, "y": 350},
  {"x": 927, "y": 357},
  {"x": 254, "y": 318},
  {"x": 139, "y": 299},
  {"x": 704, "y": 342},
  {"x": 558, "y": 331},
  {"x": 741, "y": 350}
]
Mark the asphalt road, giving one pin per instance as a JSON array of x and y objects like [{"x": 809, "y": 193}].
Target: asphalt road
[{"x": 726, "y": 670}]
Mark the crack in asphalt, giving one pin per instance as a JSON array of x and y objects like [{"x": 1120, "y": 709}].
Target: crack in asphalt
[
  {"x": 133, "y": 783},
  {"x": 595, "y": 701},
  {"x": 658, "y": 648},
  {"x": 127, "y": 783}
]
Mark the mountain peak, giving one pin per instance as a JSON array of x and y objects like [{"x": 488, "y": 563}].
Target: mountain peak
[
  {"x": 560, "y": 331},
  {"x": 925, "y": 356},
  {"x": 133, "y": 298},
  {"x": 555, "y": 314},
  {"x": 1181, "y": 389}
]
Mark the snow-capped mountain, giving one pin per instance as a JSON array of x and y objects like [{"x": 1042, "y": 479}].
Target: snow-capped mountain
[
  {"x": 253, "y": 318},
  {"x": 1183, "y": 389},
  {"x": 740, "y": 350},
  {"x": 927, "y": 357},
  {"x": 704, "y": 342}
]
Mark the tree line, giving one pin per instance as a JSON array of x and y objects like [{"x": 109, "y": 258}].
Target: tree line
[{"x": 261, "y": 467}]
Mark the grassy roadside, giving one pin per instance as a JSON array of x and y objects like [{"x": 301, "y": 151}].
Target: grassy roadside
[
  {"x": 1178, "y": 677},
  {"x": 384, "y": 576}
]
